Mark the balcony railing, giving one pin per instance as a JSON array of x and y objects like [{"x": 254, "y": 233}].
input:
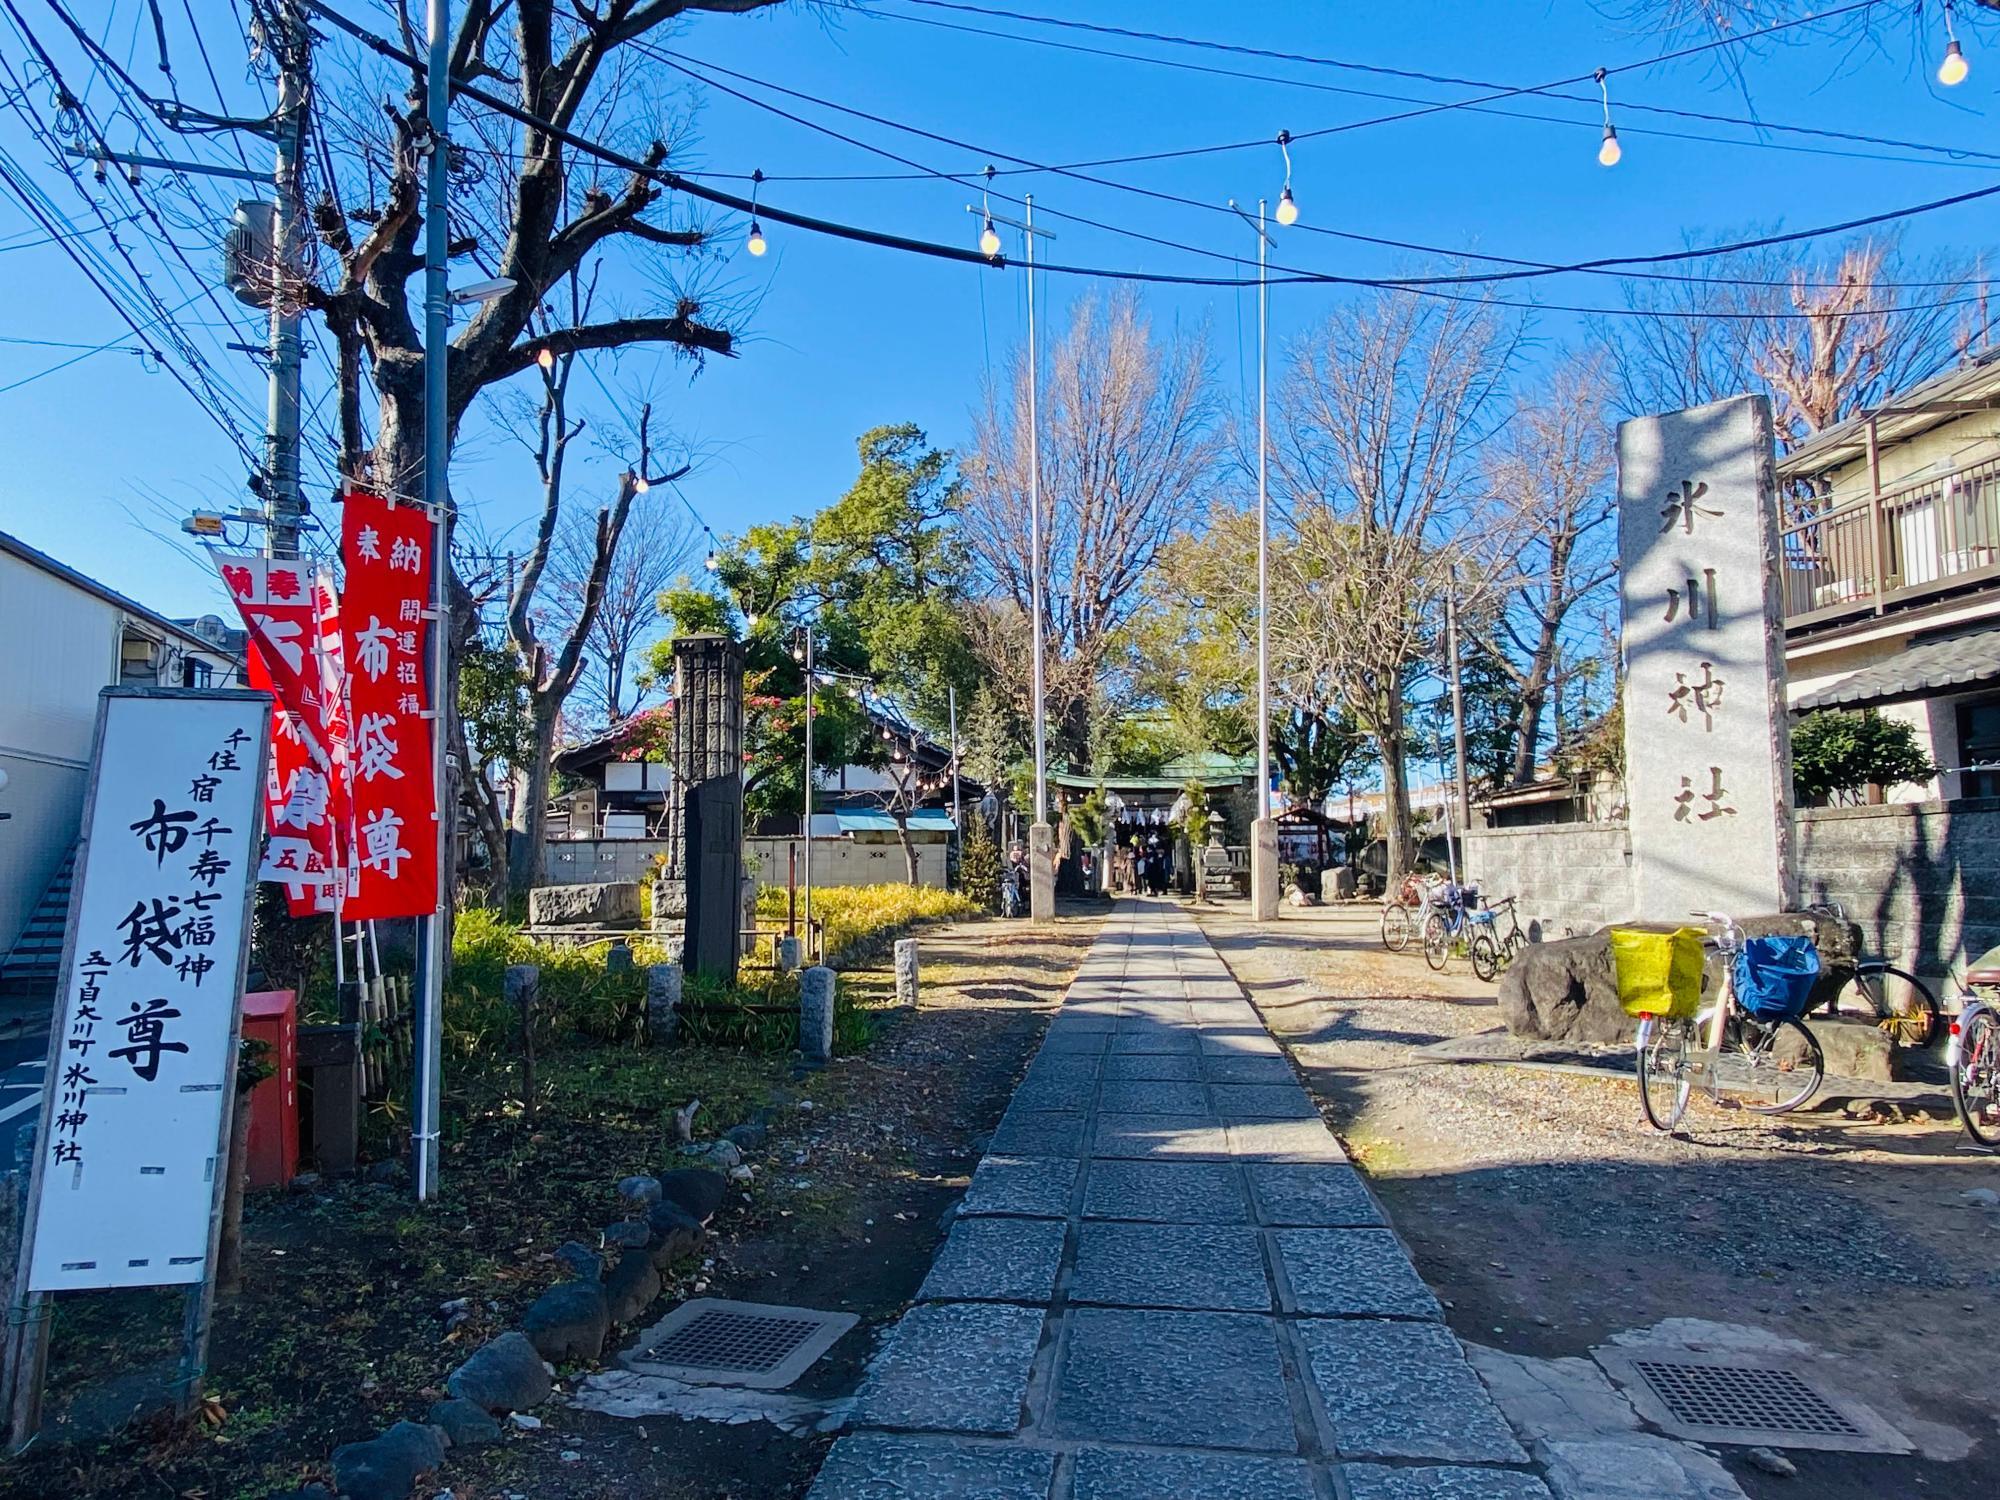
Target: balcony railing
[{"x": 1864, "y": 555}]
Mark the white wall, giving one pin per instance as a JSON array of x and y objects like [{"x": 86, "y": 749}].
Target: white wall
[{"x": 58, "y": 646}]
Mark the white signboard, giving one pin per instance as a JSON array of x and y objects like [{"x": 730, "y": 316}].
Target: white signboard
[
  {"x": 142, "y": 1061},
  {"x": 1707, "y": 755}
]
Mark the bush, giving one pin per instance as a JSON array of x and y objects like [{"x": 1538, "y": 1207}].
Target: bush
[
  {"x": 858, "y": 917},
  {"x": 579, "y": 997},
  {"x": 979, "y": 867},
  {"x": 1835, "y": 753}
]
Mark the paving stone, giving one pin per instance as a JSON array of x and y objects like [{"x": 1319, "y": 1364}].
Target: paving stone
[
  {"x": 1373, "y": 1482},
  {"x": 1264, "y": 1070},
  {"x": 997, "y": 1260},
  {"x": 1324, "y": 1194},
  {"x": 1073, "y": 1094},
  {"x": 1080, "y": 1023},
  {"x": 1152, "y": 1097},
  {"x": 1214, "y": 1266},
  {"x": 1179, "y": 1067},
  {"x": 1191, "y": 1379},
  {"x": 1073, "y": 1041},
  {"x": 953, "y": 1367},
  {"x": 1063, "y": 1065},
  {"x": 1238, "y": 1042},
  {"x": 1403, "y": 1390},
  {"x": 1035, "y": 1134},
  {"x": 1135, "y": 1013},
  {"x": 1227, "y": 1014},
  {"x": 1283, "y": 1140},
  {"x": 1037, "y": 1186},
  {"x": 1156, "y": 1038},
  {"x": 867, "y": 1467},
  {"x": 1262, "y": 1101},
  {"x": 1112, "y": 1474},
  {"x": 1353, "y": 1273},
  {"x": 1167, "y": 1192},
  {"x": 1158, "y": 1137}
]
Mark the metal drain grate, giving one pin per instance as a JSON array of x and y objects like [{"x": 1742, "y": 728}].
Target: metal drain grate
[
  {"x": 713, "y": 1342},
  {"x": 1732, "y": 1400}
]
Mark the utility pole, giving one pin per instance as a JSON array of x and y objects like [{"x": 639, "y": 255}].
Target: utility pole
[
  {"x": 1464, "y": 792},
  {"x": 282, "y": 507},
  {"x": 806, "y": 823}
]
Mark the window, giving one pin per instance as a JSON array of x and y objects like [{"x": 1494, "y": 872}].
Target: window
[
  {"x": 195, "y": 673},
  {"x": 1979, "y": 748}
]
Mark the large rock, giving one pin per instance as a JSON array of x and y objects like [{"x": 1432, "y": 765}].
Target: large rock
[
  {"x": 505, "y": 1375},
  {"x": 1567, "y": 990},
  {"x": 676, "y": 1233},
  {"x": 631, "y": 1287},
  {"x": 612, "y": 904},
  {"x": 568, "y": 1322},
  {"x": 695, "y": 1191},
  {"x": 582, "y": 1262},
  {"x": 1854, "y": 1049},
  {"x": 388, "y": 1467},
  {"x": 465, "y": 1423}
]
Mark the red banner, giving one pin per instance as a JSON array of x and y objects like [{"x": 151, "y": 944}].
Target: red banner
[
  {"x": 387, "y": 553},
  {"x": 275, "y": 598},
  {"x": 298, "y": 848}
]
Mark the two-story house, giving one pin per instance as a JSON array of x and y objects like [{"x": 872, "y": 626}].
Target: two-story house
[
  {"x": 1891, "y": 571},
  {"x": 63, "y": 636}
]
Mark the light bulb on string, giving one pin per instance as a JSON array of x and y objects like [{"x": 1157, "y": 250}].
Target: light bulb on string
[
  {"x": 712, "y": 562},
  {"x": 1608, "y": 151},
  {"x": 755, "y": 244},
  {"x": 641, "y": 485},
  {"x": 989, "y": 241},
  {"x": 1288, "y": 206},
  {"x": 545, "y": 357},
  {"x": 750, "y": 621},
  {"x": 989, "y": 237},
  {"x": 1953, "y": 69}
]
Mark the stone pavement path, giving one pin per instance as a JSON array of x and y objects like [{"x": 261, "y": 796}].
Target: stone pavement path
[{"x": 1166, "y": 1281}]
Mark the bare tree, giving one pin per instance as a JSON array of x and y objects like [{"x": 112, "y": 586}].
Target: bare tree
[
  {"x": 1555, "y": 509},
  {"x": 1381, "y": 411},
  {"x": 1824, "y": 339},
  {"x": 656, "y": 548},
  {"x": 1130, "y": 444}
]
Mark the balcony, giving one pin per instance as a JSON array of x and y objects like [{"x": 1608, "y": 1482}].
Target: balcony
[{"x": 1868, "y": 555}]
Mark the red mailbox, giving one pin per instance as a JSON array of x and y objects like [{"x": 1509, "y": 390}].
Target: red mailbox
[{"x": 272, "y": 1017}]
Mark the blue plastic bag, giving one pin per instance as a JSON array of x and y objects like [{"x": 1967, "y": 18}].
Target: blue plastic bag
[{"x": 1774, "y": 976}]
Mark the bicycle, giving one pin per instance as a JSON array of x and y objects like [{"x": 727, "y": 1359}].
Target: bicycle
[
  {"x": 1773, "y": 1066},
  {"x": 1397, "y": 925},
  {"x": 1449, "y": 925},
  {"x": 1972, "y": 1057},
  {"x": 1867, "y": 996},
  {"x": 1490, "y": 951}
]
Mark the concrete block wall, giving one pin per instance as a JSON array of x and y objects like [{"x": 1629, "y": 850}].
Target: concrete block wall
[
  {"x": 1921, "y": 878},
  {"x": 1567, "y": 876},
  {"x": 835, "y": 861}
]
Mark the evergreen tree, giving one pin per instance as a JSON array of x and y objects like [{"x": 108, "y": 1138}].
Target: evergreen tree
[{"x": 979, "y": 866}]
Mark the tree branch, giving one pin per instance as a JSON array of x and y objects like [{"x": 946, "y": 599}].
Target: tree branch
[{"x": 681, "y": 329}]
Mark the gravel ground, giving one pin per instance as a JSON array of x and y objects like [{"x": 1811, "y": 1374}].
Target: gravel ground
[{"x": 1548, "y": 1217}]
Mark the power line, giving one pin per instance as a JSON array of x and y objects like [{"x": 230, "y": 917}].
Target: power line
[
  {"x": 88, "y": 351},
  {"x": 681, "y": 183}
]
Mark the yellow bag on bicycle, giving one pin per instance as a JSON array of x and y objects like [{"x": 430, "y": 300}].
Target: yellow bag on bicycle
[{"x": 1659, "y": 973}]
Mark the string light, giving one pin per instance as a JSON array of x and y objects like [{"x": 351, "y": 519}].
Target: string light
[
  {"x": 989, "y": 237},
  {"x": 545, "y": 358},
  {"x": 1610, "y": 151},
  {"x": 1288, "y": 207},
  {"x": 1953, "y": 69},
  {"x": 641, "y": 485},
  {"x": 712, "y": 562},
  {"x": 755, "y": 244}
]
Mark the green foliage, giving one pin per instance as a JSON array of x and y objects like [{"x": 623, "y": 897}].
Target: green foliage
[
  {"x": 979, "y": 866},
  {"x": 859, "y": 918},
  {"x": 990, "y": 742},
  {"x": 493, "y": 699},
  {"x": 579, "y": 998},
  {"x": 1090, "y": 817},
  {"x": 1319, "y": 751},
  {"x": 1195, "y": 820},
  {"x": 1836, "y": 752},
  {"x": 1136, "y": 745}
]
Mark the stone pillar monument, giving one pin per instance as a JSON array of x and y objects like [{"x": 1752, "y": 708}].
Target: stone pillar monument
[
  {"x": 1708, "y": 768},
  {"x": 1042, "y": 872},
  {"x": 704, "y": 873}
]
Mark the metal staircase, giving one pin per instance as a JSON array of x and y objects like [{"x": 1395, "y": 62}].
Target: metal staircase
[{"x": 32, "y": 966}]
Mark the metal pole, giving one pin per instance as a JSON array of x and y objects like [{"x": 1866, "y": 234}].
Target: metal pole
[
  {"x": 437, "y": 457},
  {"x": 807, "y": 824},
  {"x": 1035, "y": 528},
  {"x": 1464, "y": 793},
  {"x": 951, "y": 702},
  {"x": 281, "y": 425},
  {"x": 1263, "y": 537}
]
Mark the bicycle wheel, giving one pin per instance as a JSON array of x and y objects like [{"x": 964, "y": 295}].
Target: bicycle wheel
[
  {"x": 1666, "y": 1070},
  {"x": 1893, "y": 999},
  {"x": 1485, "y": 956},
  {"x": 1437, "y": 940},
  {"x": 1772, "y": 1068},
  {"x": 1975, "y": 1079},
  {"x": 1396, "y": 927}
]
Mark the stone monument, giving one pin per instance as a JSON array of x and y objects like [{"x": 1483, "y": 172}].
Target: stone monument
[
  {"x": 1707, "y": 750},
  {"x": 704, "y": 874}
]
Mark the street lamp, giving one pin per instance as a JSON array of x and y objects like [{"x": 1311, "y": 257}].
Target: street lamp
[{"x": 1263, "y": 832}]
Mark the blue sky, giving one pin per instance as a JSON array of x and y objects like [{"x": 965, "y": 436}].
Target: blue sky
[{"x": 839, "y": 337}]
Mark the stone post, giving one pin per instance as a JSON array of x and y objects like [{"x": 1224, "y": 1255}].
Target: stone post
[
  {"x": 1264, "y": 874},
  {"x": 816, "y": 1014},
  {"x": 663, "y": 1003},
  {"x": 618, "y": 958},
  {"x": 522, "y": 986},
  {"x": 788, "y": 950},
  {"x": 906, "y": 972},
  {"x": 1041, "y": 871}
]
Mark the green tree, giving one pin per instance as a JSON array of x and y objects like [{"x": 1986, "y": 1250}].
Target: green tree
[
  {"x": 1836, "y": 753},
  {"x": 979, "y": 866}
]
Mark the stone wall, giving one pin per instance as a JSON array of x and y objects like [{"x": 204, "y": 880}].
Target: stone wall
[
  {"x": 1921, "y": 878},
  {"x": 1570, "y": 877}
]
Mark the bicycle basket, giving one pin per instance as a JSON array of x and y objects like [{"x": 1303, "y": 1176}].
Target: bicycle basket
[
  {"x": 1774, "y": 976},
  {"x": 1659, "y": 973}
]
